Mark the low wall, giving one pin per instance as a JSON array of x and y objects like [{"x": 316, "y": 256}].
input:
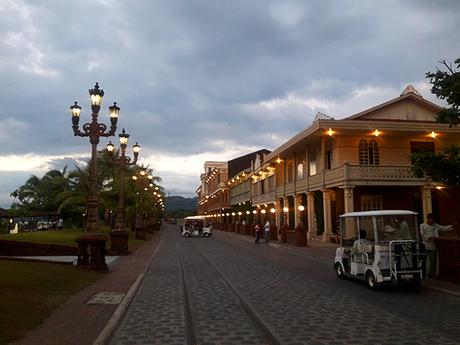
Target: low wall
[{"x": 17, "y": 248}]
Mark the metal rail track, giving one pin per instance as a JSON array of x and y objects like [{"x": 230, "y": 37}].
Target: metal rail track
[{"x": 239, "y": 299}]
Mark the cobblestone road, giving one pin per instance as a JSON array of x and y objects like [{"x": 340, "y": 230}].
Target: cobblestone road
[{"x": 227, "y": 290}]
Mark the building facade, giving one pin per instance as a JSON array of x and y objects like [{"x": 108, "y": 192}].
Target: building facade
[{"x": 358, "y": 163}]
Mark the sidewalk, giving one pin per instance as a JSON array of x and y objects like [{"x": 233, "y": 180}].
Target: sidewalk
[
  {"x": 326, "y": 252},
  {"x": 77, "y": 323}
]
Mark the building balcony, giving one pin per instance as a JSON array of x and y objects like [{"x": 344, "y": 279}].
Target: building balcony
[
  {"x": 353, "y": 175},
  {"x": 264, "y": 198}
]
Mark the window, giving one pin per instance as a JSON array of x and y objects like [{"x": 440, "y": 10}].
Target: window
[
  {"x": 312, "y": 164},
  {"x": 421, "y": 146},
  {"x": 368, "y": 152},
  {"x": 271, "y": 184},
  {"x": 289, "y": 171},
  {"x": 329, "y": 153},
  {"x": 371, "y": 202},
  {"x": 300, "y": 170}
]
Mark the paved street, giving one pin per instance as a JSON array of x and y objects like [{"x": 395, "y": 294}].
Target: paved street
[{"x": 228, "y": 290}]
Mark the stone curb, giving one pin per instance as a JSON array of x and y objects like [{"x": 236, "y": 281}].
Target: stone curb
[{"x": 110, "y": 328}]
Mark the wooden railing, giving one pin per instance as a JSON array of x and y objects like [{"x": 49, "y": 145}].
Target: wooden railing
[{"x": 352, "y": 175}]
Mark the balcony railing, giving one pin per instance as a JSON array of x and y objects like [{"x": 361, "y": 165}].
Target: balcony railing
[
  {"x": 353, "y": 175},
  {"x": 264, "y": 198},
  {"x": 365, "y": 175}
]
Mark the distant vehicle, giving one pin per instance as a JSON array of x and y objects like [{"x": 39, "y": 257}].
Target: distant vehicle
[
  {"x": 380, "y": 247},
  {"x": 195, "y": 227}
]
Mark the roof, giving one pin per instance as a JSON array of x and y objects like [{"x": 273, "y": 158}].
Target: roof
[
  {"x": 409, "y": 92},
  {"x": 379, "y": 213}
]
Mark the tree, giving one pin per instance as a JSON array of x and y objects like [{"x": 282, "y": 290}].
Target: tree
[
  {"x": 446, "y": 86},
  {"x": 443, "y": 167}
]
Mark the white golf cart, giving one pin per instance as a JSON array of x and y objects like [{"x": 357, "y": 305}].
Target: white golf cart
[
  {"x": 195, "y": 227},
  {"x": 380, "y": 247}
]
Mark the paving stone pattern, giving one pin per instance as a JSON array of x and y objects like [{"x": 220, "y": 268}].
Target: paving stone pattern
[
  {"x": 156, "y": 313},
  {"x": 217, "y": 316},
  {"x": 300, "y": 310},
  {"x": 297, "y": 298}
]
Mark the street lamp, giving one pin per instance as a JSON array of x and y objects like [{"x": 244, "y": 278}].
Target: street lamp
[
  {"x": 94, "y": 240},
  {"x": 119, "y": 235}
]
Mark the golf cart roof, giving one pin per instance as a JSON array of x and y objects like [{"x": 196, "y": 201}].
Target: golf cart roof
[
  {"x": 378, "y": 213},
  {"x": 194, "y": 217}
]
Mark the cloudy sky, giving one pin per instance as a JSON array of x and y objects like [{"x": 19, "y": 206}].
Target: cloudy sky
[{"x": 203, "y": 80}]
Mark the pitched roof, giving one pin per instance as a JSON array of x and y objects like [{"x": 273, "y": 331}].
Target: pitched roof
[{"x": 409, "y": 93}]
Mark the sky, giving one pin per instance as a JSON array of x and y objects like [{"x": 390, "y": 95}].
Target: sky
[{"x": 201, "y": 80}]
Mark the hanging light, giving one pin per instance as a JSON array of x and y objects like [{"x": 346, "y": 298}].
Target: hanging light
[
  {"x": 301, "y": 208},
  {"x": 285, "y": 209}
]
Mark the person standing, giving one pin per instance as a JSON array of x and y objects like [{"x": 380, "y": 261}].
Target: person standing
[
  {"x": 267, "y": 230},
  {"x": 429, "y": 231},
  {"x": 257, "y": 229}
]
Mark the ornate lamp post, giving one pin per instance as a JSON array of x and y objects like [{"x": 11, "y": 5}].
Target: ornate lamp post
[
  {"x": 143, "y": 181},
  {"x": 92, "y": 245},
  {"x": 119, "y": 235}
]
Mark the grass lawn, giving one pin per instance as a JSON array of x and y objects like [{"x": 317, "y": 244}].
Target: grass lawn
[
  {"x": 63, "y": 237},
  {"x": 30, "y": 291}
]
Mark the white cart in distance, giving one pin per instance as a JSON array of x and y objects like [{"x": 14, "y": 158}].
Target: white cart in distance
[
  {"x": 194, "y": 226},
  {"x": 390, "y": 252}
]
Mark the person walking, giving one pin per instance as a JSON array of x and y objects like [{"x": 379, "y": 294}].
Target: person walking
[
  {"x": 257, "y": 229},
  {"x": 267, "y": 230},
  {"x": 429, "y": 231}
]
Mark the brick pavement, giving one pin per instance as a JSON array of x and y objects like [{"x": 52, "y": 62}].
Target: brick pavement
[
  {"x": 326, "y": 252},
  {"x": 295, "y": 296},
  {"x": 77, "y": 323},
  {"x": 312, "y": 297},
  {"x": 158, "y": 314}
]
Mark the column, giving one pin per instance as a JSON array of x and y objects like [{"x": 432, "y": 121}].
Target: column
[
  {"x": 286, "y": 215},
  {"x": 426, "y": 200},
  {"x": 297, "y": 213},
  {"x": 311, "y": 215},
  {"x": 327, "y": 214},
  {"x": 350, "y": 230},
  {"x": 278, "y": 214}
]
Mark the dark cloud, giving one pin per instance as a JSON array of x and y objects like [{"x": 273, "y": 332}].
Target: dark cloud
[{"x": 187, "y": 72}]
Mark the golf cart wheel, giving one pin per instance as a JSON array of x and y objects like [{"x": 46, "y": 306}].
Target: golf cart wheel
[
  {"x": 187, "y": 235},
  {"x": 339, "y": 270},
  {"x": 206, "y": 235},
  {"x": 370, "y": 280}
]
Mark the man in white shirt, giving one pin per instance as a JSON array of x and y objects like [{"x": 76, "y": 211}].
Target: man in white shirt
[
  {"x": 429, "y": 231},
  {"x": 267, "y": 230},
  {"x": 362, "y": 240}
]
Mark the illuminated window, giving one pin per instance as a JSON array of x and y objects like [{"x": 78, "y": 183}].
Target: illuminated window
[{"x": 368, "y": 152}]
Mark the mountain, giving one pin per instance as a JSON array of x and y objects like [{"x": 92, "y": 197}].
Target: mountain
[{"x": 174, "y": 203}]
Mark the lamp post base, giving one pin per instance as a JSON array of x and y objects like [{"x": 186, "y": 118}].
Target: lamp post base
[
  {"x": 119, "y": 242},
  {"x": 91, "y": 251}
]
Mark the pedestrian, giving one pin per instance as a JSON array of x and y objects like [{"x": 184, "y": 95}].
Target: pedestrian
[
  {"x": 429, "y": 231},
  {"x": 257, "y": 229},
  {"x": 267, "y": 230},
  {"x": 60, "y": 223}
]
